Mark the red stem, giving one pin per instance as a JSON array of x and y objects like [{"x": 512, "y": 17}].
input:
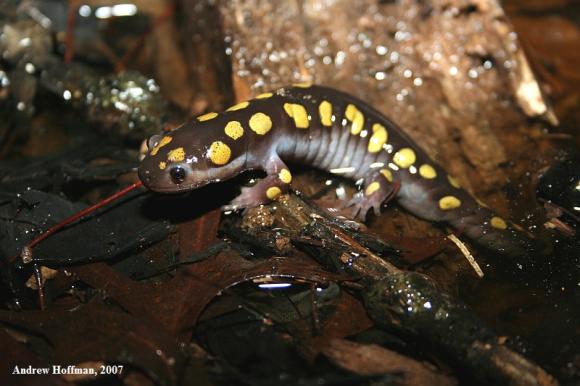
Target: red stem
[
  {"x": 70, "y": 25},
  {"x": 83, "y": 213}
]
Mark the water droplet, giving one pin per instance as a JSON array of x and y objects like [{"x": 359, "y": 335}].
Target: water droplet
[
  {"x": 381, "y": 50},
  {"x": 25, "y": 42},
  {"x": 85, "y": 10},
  {"x": 29, "y": 68},
  {"x": 340, "y": 57}
]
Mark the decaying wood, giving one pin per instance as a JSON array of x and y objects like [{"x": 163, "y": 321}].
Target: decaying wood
[
  {"x": 373, "y": 359},
  {"x": 202, "y": 39},
  {"x": 444, "y": 70},
  {"x": 519, "y": 370},
  {"x": 408, "y": 301},
  {"x": 547, "y": 44}
]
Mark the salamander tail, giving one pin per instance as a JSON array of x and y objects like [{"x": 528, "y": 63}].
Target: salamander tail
[{"x": 492, "y": 232}]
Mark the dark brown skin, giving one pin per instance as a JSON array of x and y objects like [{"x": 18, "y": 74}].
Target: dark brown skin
[{"x": 329, "y": 130}]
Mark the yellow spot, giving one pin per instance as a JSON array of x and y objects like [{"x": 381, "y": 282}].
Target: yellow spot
[
  {"x": 350, "y": 112},
  {"x": 234, "y": 129},
  {"x": 387, "y": 174},
  {"x": 176, "y": 155},
  {"x": 260, "y": 123},
  {"x": 298, "y": 113},
  {"x": 449, "y": 202},
  {"x": 427, "y": 171},
  {"x": 239, "y": 106},
  {"x": 498, "y": 223},
  {"x": 303, "y": 84},
  {"x": 285, "y": 176},
  {"x": 404, "y": 157},
  {"x": 164, "y": 141},
  {"x": 325, "y": 111},
  {"x": 357, "y": 123},
  {"x": 356, "y": 117},
  {"x": 264, "y": 95},
  {"x": 207, "y": 117},
  {"x": 453, "y": 182},
  {"x": 378, "y": 139},
  {"x": 273, "y": 192},
  {"x": 162, "y": 165},
  {"x": 219, "y": 153},
  {"x": 373, "y": 187}
]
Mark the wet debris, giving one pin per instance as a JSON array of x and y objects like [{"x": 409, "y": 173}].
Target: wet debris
[
  {"x": 127, "y": 104},
  {"x": 123, "y": 105},
  {"x": 284, "y": 293},
  {"x": 559, "y": 191},
  {"x": 409, "y": 301},
  {"x": 32, "y": 211}
]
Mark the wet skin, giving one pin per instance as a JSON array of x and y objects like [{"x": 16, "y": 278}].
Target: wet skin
[{"x": 329, "y": 130}]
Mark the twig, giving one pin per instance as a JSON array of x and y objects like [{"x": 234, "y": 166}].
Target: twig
[{"x": 463, "y": 248}]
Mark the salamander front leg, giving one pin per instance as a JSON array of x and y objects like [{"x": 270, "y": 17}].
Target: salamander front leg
[
  {"x": 379, "y": 188},
  {"x": 266, "y": 190}
]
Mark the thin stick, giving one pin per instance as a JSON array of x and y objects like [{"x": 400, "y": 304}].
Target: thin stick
[
  {"x": 466, "y": 253},
  {"x": 26, "y": 253},
  {"x": 69, "y": 38},
  {"x": 82, "y": 213},
  {"x": 40, "y": 286}
]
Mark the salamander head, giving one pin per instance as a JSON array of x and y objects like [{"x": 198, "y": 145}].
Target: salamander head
[{"x": 188, "y": 158}]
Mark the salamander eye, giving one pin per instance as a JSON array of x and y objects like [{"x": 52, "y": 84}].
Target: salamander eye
[
  {"x": 177, "y": 174},
  {"x": 153, "y": 141}
]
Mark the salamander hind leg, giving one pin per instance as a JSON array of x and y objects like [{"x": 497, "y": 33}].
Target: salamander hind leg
[
  {"x": 379, "y": 188},
  {"x": 267, "y": 189}
]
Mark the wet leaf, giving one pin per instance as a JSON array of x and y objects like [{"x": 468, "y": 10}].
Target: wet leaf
[
  {"x": 125, "y": 226},
  {"x": 96, "y": 332}
]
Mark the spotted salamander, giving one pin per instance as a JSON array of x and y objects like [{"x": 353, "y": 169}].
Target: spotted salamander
[{"x": 329, "y": 130}]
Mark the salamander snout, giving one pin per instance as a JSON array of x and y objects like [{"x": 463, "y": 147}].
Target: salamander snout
[
  {"x": 160, "y": 174},
  {"x": 173, "y": 164}
]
